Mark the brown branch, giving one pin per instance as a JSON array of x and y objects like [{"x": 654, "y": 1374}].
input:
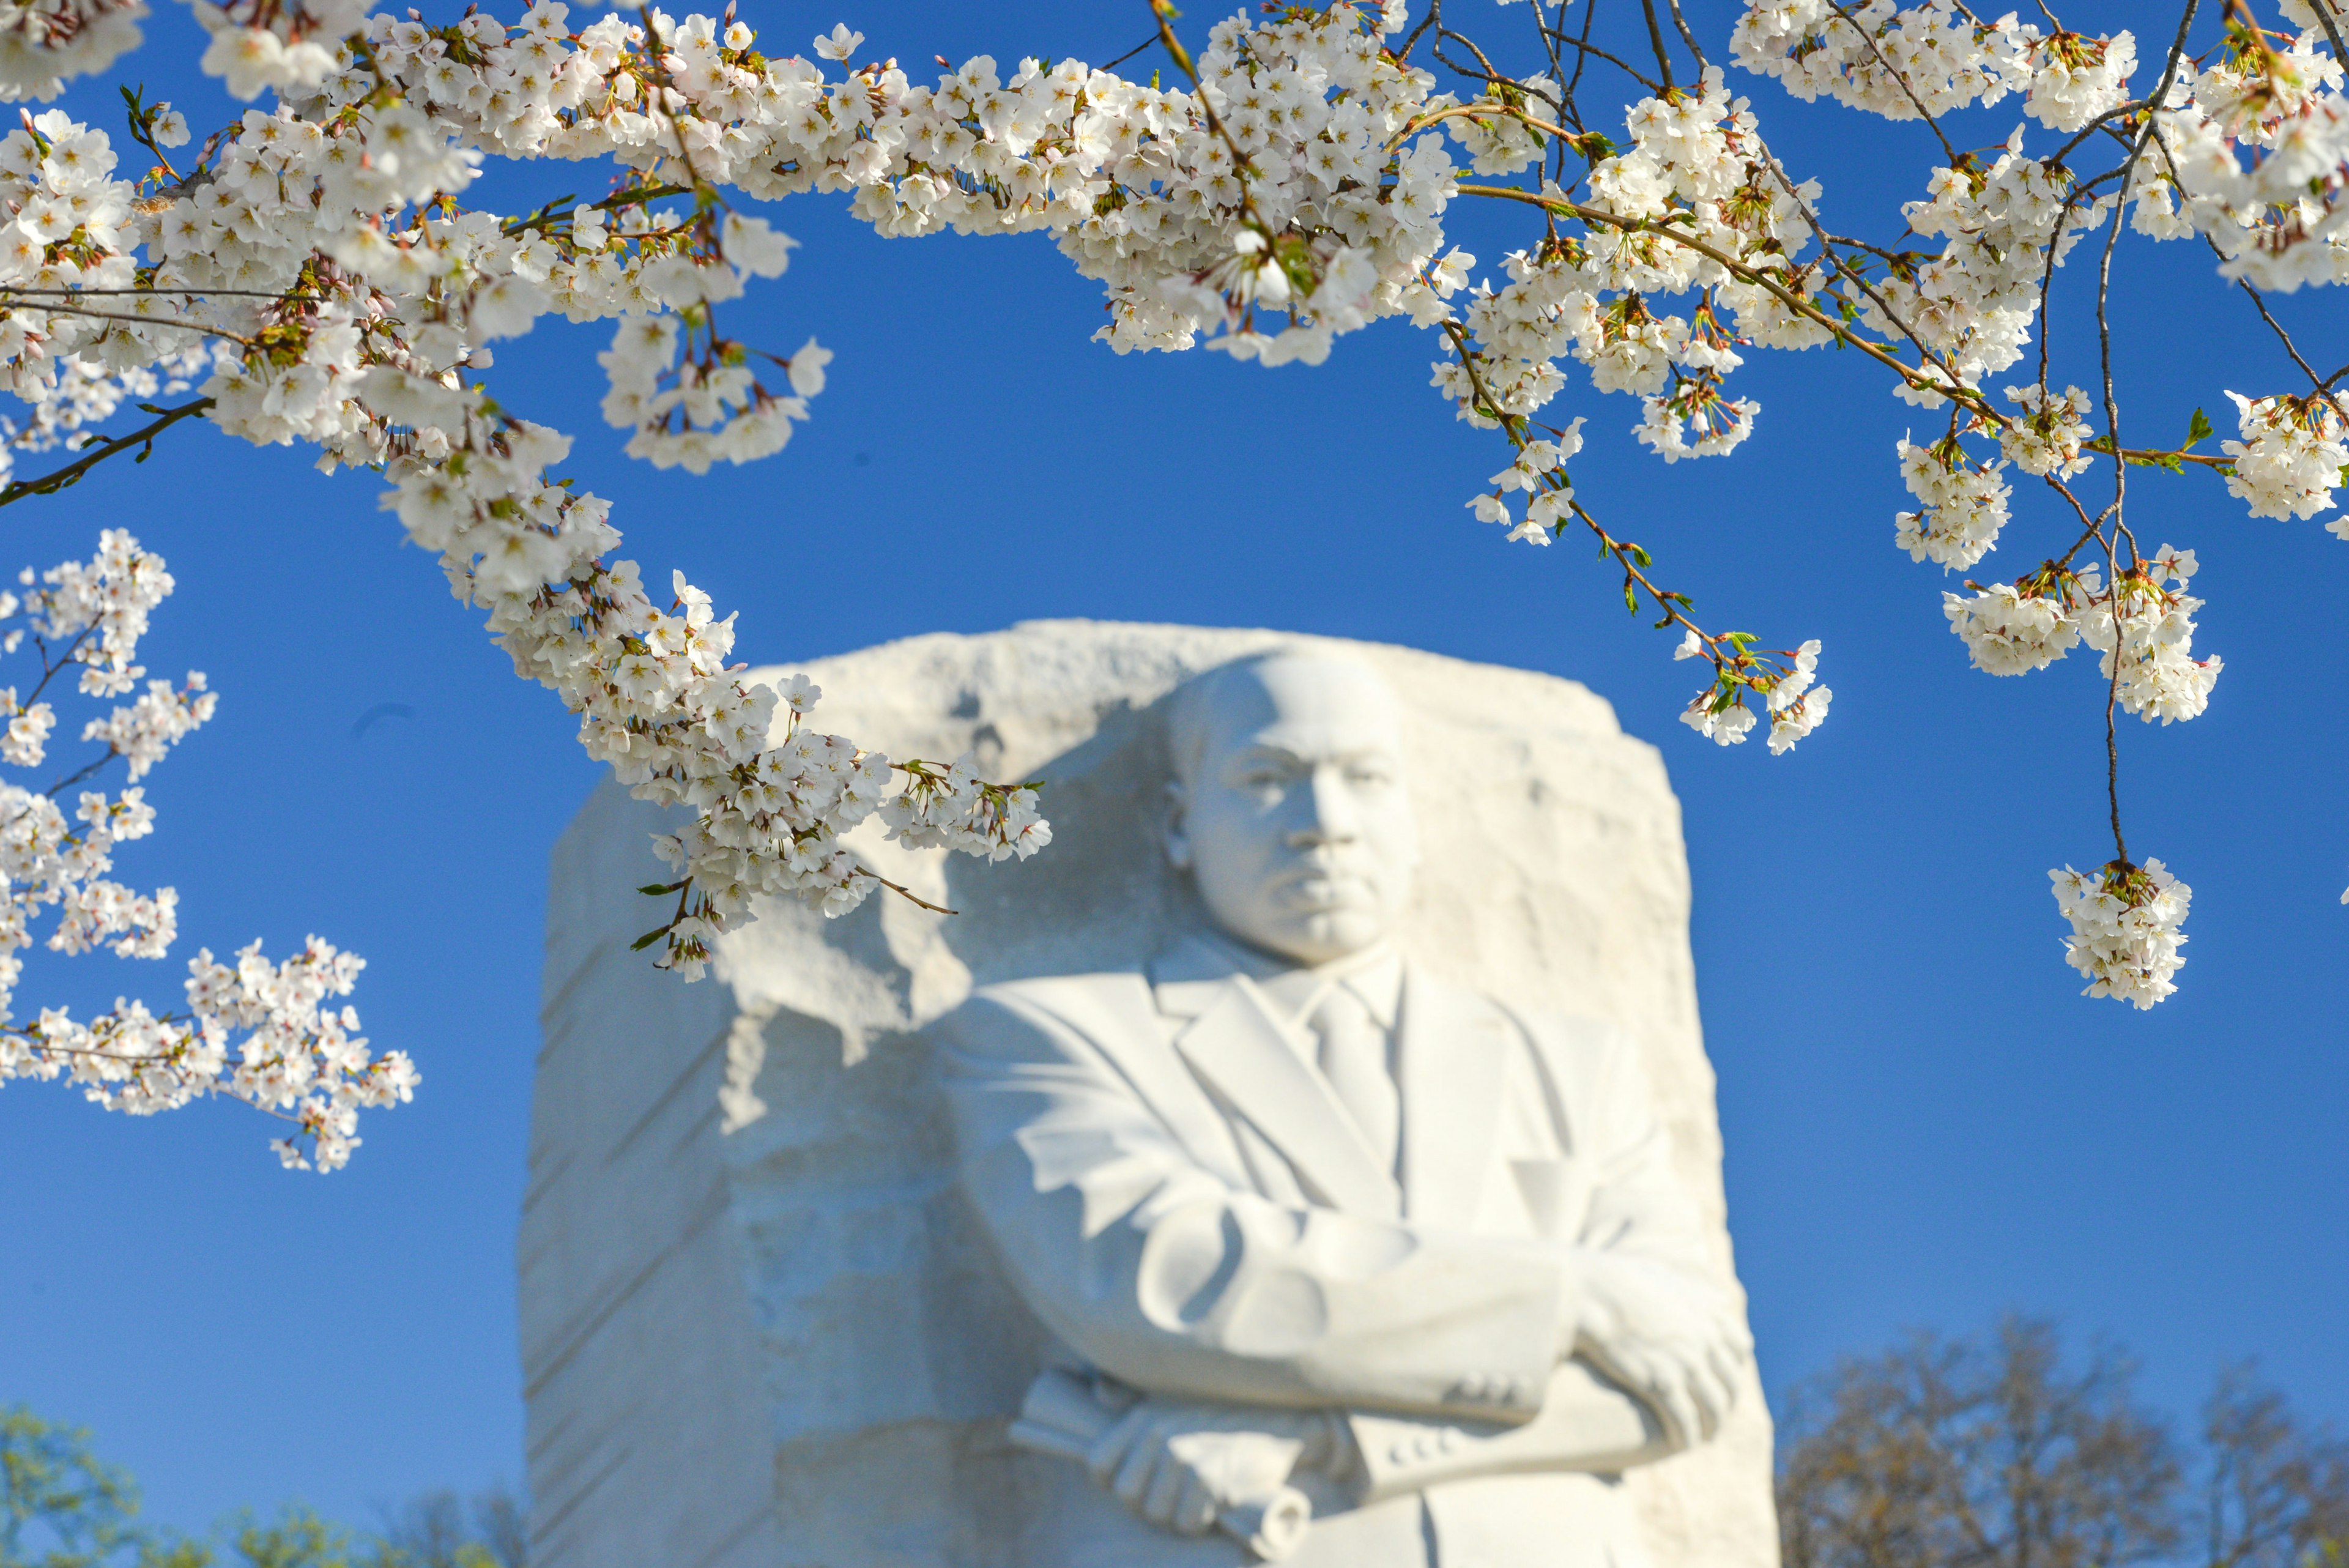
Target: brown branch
[
  {"x": 904, "y": 892},
  {"x": 175, "y": 324},
  {"x": 1689, "y": 38},
  {"x": 50, "y": 484},
  {"x": 1656, "y": 42}
]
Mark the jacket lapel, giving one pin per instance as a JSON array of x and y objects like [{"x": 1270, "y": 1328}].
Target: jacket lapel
[
  {"x": 1120, "y": 1021},
  {"x": 1236, "y": 1046},
  {"x": 1451, "y": 1068}
]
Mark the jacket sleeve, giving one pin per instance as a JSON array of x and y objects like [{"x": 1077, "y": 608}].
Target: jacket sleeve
[
  {"x": 1586, "y": 1423},
  {"x": 1180, "y": 1282}
]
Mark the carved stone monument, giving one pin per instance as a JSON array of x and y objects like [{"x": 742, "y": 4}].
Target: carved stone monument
[{"x": 1310, "y": 1157}]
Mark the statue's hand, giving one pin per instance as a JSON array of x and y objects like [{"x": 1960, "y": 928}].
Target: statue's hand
[
  {"x": 1177, "y": 1464},
  {"x": 1675, "y": 1341}
]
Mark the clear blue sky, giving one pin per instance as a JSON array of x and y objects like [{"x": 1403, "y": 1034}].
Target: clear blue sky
[{"x": 1926, "y": 1125}]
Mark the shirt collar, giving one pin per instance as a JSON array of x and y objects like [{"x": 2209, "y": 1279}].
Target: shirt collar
[{"x": 1187, "y": 976}]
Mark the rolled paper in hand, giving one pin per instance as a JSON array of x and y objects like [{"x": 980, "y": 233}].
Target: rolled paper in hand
[
  {"x": 1271, "y": 1528},
  {"x": 1060, "y": 1417}
]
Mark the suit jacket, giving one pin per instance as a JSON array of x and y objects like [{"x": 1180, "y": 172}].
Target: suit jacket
[{"x": 1177, "y": 1194}]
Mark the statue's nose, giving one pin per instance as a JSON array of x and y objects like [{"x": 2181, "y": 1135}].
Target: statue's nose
[{"x": 1328, "y": 811}]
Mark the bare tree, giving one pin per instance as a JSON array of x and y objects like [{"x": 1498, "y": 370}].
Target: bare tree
[
  {"x": 1962, "y": 1454},
  {"x": 2275, "y": 1495},
  {"x": 1996, "y": 1452}
]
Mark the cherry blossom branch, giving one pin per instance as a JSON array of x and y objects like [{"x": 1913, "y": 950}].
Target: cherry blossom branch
[
  {"x": 619, "y": 201},
  {"x": 1900, "y": 78},
  {"x": 392, "y": 287},
  {"x": 1842, "y": 331}
]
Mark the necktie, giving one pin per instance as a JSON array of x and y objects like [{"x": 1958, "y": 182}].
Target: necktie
[{"x": 1353, "y": 1056}]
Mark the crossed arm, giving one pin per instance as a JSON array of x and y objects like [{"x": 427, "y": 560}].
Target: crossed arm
[{"x": 1392, "y": 1354}]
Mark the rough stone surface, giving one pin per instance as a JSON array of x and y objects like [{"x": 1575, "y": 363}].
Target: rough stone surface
[{"x": 758, "y": 1325}]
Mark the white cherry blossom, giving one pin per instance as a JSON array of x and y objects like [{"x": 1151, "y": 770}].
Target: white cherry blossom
[
  {"x": 1963, "y": 505},
  {"x": 2291, "y": 457},
  {"x": 2127, "y": 930}
]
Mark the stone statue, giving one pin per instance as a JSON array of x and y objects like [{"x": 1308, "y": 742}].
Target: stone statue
[
  {"x": 1302, "y": 1212},
  {"x": 1310, "y": 1158}
]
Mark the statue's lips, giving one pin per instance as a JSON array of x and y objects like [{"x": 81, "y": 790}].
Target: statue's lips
[{"x": 1319, "y": 887}]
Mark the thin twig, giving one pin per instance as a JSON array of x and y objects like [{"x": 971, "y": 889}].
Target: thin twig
[
  {"x": 1689, "y": 38},
  {"x": 2055, "y": 254},
  {"x": 1129, "y": 54},
  {"x": 1434, "y": 18},
  {"x": 2259, "y": 302},
  {"x": 2123, "y": 112},
  {"x": 1586, "y": 48},
  {"x": 904, "y": 892},
  {"x": 2113, "y": 433},
  {"x": 2325, "y": 11},
  {"x": 2112, "y": 734},
  {"x": 1484, "y": 66},
  {"x": 50, "y": 669},
  {"x": 1589, "y": 16},
  {"x": 1656, "y": 41},
  {"x": 178, "y": 324},
  {"x": 85, "y": 771},
  {"x": 79, "y": 289},
  {"x": 50, "y": 484}
]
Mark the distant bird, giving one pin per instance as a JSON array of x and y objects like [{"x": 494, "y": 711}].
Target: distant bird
[{"x": 380, "y": 711}]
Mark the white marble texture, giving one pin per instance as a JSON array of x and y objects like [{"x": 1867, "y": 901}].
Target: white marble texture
[{"x": 759, "y": 1324}]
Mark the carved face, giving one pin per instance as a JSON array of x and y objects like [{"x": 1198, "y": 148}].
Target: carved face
[{"x": 1294, "y": 821}]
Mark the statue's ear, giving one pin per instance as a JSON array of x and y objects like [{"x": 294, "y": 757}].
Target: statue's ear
[{"x": 1179, "y": 833}]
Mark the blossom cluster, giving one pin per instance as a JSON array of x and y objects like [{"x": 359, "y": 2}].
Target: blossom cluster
[
  {"x": 262, "y": 1033},
  {"x": 2293, "y": 456},
  {"x": 2004, "y": 225},
  {"x": 86, "y": 616},
  {"x": 1919, "y": 61},
  {"x": 953, "y": 808},
  {"x": 65, "y": 410},
  {"x": 45, "y": 42},
  {"x": 2143, "y": 626},
  {"x": 1962, "y": 504},
  {"x": 2252, "y": 155},
  {"x": 2127, "y": 930},
  {"x": 258, "y": 1031},
  {"x": 1788, "y": 687},
  {"x": 2142, "y": 623}
]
